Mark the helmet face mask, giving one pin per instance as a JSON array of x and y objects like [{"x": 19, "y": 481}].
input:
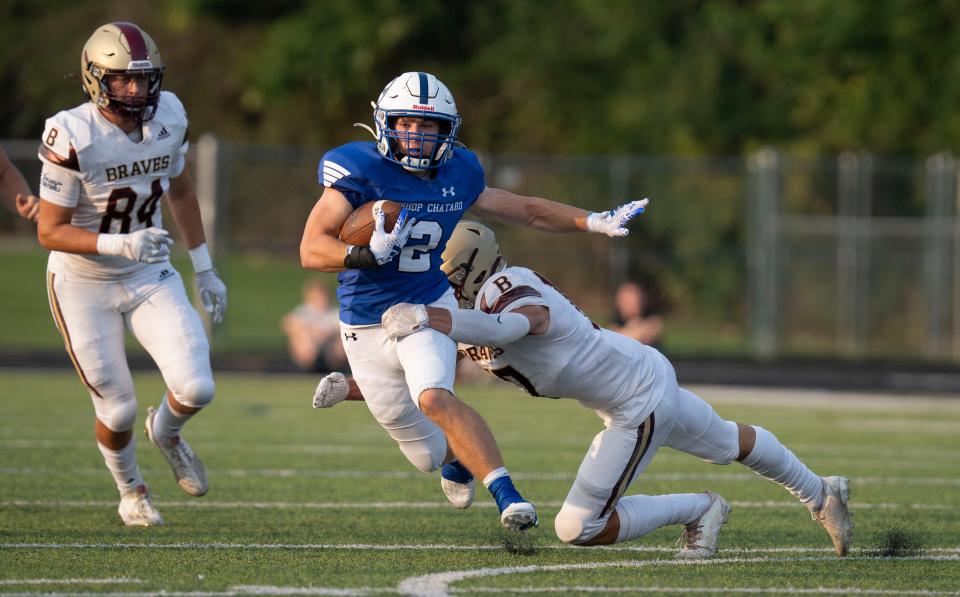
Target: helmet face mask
[
  {"x": 416, "y": 95},
  {"x": 122, "y": 50},
  {"x": 471, "y": 256}
]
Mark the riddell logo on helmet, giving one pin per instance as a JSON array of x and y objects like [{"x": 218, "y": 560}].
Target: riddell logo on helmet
[{"x": 425, "y": 108}]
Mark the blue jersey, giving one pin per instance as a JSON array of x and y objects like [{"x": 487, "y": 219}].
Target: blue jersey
[{"x": 359, "y": 172}]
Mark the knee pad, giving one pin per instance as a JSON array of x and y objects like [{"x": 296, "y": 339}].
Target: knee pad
[
  {"x": 574, "y": 529},
  {"x": 196, "y": 392},
  {"x": 118, "y": 415},
  {"x": 427, "y": 454},
  {"x": 728, "y": 439}
]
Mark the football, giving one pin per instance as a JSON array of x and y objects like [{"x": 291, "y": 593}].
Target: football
[{"x": 358, "y": 227}]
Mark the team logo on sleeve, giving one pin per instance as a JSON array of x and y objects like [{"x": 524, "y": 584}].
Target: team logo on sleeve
[{"x": 49, "y": 183}]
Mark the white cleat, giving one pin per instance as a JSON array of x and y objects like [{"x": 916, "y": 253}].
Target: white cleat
[
  {"x": 519, "y": 516},
  {"x": 834, "y": 515},
  {"x": 459, "y": 494},
  {"x": 701, "y": 536},
  {"x": 136, "y": 510},
  {"x": 187, "y": 468}
]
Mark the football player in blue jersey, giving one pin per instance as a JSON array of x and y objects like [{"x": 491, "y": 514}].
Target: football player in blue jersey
[{"x": 416, "y": 161}]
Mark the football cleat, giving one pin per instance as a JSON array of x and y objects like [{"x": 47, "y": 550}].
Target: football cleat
[
  {"x": 701, "y": 536},
  {"x": 519, "y": 516},
  {"x": 457, "y": 484},
  {"x": 136, "y": 510},
  {"x": 834, "y": 515},
  {"x": 187, "y": 468}
]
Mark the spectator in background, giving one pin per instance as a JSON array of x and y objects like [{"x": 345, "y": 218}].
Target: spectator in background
[
  {"x": 634, "y": 316},
  {"x": 313, "y": 331},
  {"x": 15, "y": 193}
]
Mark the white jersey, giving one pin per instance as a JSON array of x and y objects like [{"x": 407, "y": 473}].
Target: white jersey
[
  {"x": 113, "y": 183},
  {"x": 620, "y": 378}
]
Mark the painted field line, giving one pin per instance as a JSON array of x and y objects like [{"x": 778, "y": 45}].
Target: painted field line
[
  {"x": 438, "y": 584},
  {"x": 704, "y": 590},
  {"x": 212, "y": 505},
  {"x": 70, "y": 581},
  {"x": 413, "y": 475},
  {"x": 311, "y": 449},
  {"x": 946, "y": 551}
]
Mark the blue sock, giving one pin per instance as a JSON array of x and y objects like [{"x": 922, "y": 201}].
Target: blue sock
[
  {"x": 456, "y": 472},
  {"x": 504, "y": 492}
]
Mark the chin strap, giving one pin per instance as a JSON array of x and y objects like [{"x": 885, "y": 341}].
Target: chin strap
[{"x": 366, "y": 126}]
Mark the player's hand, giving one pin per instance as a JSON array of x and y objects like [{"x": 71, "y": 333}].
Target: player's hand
[
  {"x": 613, "y": 222},
  {"x": 387, "y": 245},
  {"x": 331, "y": 390},
  {"x": 213, "y": 294},
  {"x": 28, "y": 206},
  {"x": 150, "y": 245},
  {"x": 404, "y": 319}
]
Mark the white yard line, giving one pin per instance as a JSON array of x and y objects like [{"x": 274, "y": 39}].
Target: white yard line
[
  {"x": 423, "y": 505},
  {"x": 70, "y": 581},
  {"x": 947, "y": 551},
  {"x": 413, "y": 475}
]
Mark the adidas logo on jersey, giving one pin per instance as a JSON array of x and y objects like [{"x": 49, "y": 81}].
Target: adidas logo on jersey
[
  {"x": 164, "y": 274},
  {"x": 163, "y": 133}
]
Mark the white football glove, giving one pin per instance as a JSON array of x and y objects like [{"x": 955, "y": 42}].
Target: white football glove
[
  {"x": 613, "y": 222},
  {"x": 150, "y": 245},
  {"x": 332, "y": 389},
  {"x": 404, "y": 319},
  {"x": 213, "y": 294},
  {"x": 387, "y": 245}
]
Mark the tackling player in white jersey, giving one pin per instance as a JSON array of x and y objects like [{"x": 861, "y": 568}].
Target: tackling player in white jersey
[
  {"x": 106, "y": 165},
  {"x": 518, "y": 326}
]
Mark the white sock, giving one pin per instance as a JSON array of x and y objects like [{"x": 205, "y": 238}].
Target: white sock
[
  {"x": 772, "y": 460},
  {"x": 167, "y": 423},
  {"x": 494, "y": 475},
  {"x": 122, "y": 464},
  {"x": 641, "y": 514}
]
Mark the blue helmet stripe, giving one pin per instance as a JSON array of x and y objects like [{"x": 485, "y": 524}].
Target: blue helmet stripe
[{"x": 424, "y": 88}]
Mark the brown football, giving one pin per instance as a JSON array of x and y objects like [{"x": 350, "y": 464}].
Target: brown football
[{"x": 358, "y": 227}]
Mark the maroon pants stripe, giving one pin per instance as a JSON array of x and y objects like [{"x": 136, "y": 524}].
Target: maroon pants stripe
[
  {"x": 644, "y": 435},
  {"x": 62, "y": 326}
]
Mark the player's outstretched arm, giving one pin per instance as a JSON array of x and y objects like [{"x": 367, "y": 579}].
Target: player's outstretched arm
[
  {"x": 467, "y": 325},
  {"x": 543, "y": 214},
  {"x": 334, "y": 388}
]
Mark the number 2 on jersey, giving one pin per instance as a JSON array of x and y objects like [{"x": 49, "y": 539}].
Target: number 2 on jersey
[
  {"x": 144, "y": 214},
  {"x": 417, "y": 257}
]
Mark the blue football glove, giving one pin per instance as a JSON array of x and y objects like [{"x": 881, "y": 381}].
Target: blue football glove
[
  {"x": 613, "y": 222},
  {"x": 387, "y": 245}
]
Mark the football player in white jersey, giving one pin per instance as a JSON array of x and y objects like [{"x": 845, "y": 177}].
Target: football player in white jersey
[
  {"x": 519, "y": 327},
  {"x": 106, "y": 165}
]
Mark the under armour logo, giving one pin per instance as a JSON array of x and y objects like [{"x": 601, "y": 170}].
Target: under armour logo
[
  {"x": 350, "y": 336},
  {"x": 449, "y": 191}
]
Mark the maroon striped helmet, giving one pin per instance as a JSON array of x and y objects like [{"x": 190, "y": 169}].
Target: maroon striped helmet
[{"x": 121, "y": 49}]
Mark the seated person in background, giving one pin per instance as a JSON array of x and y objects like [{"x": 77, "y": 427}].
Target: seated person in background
[
  {"x": 313, "y": 331},
  {"x": 634, "y": 317}
]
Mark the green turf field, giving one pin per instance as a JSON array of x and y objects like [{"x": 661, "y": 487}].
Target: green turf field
[{"x": 321, "y": 503}]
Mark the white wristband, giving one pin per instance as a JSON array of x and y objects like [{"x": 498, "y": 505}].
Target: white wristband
[
  {"x": 200, "y": 256},
  {"x": 482, "y": 329},
  {"x": 593, "y": 224},
  {"x": 110, "y": 244}
]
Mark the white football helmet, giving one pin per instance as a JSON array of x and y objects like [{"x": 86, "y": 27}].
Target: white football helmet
[
  {"x": 421, "y": 95},
  {"x": 471, "y": 256},
  {"x": 121, "y": 49}
]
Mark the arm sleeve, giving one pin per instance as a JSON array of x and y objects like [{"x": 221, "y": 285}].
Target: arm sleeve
[{"x": 487, "y": 329}]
